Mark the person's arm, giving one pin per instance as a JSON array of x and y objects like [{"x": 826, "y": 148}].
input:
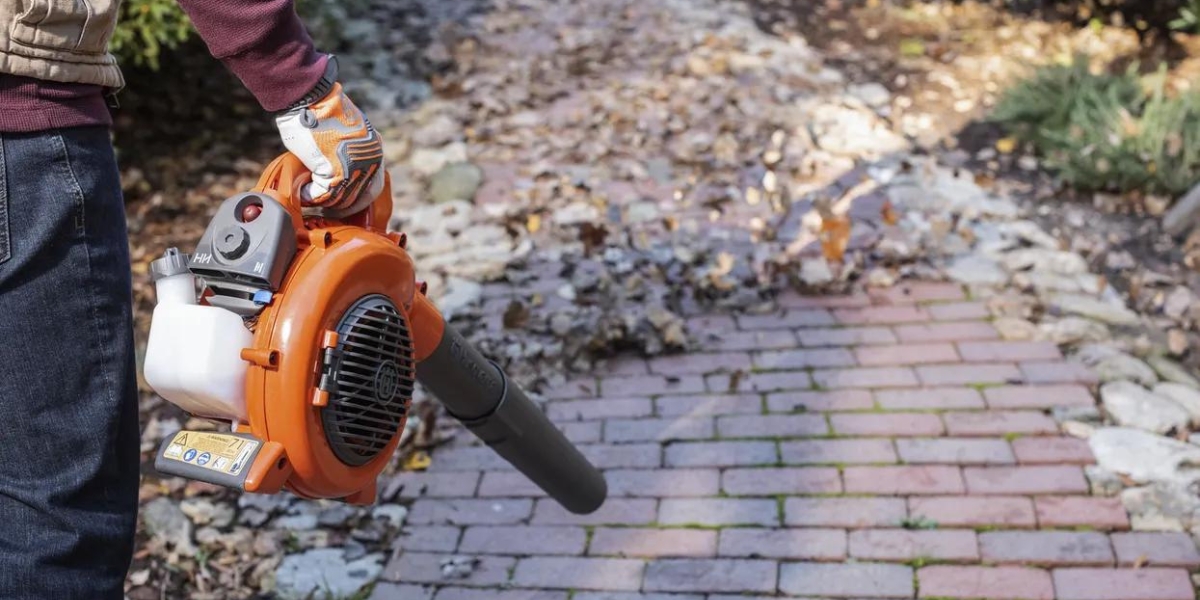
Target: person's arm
[{"x": 265, "y": 44}]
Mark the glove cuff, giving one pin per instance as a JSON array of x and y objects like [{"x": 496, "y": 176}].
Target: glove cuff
[{"x": 320, "y": 90}]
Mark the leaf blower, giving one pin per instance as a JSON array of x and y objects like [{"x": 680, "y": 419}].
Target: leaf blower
[{"x": 308, "y": 336}]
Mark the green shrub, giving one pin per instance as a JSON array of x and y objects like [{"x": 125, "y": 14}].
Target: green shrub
[
  {"x": 147, "y": 28},
  {"x": 1113, "y": 132}
]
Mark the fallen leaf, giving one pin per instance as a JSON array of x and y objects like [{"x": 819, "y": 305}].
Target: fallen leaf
[
  {"x": 533, "y": 223},
  {"x": 1006, "y": 145},
  {"x": 890, "y": 216},
  {"x": 834, "y": 236},
  {"x": 516, "y": 316},
  {"x": 1141, "y": 561},
  {"x": 417, "y": 461}
]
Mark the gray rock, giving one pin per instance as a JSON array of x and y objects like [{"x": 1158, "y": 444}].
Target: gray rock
[
  {"x": 1069, "y": 331},
  {"x": 1048, "y": 261},
  {"x": 392, "y": 513},
  {"x": 576, "y": 213},
  {"x": 974, "y": 269},
  {"x": 1111, "y": 364},
  {"x": 295, "y": 522},
  {"x": 815, "y": 271},
  {"x": 871, "y": 94},
  {"x": 460, "y": 294},
  {"x": 1012, "y": 328},
  {"x": 1028, "y": 231},
  {"x": 428, "y": 161},
  {"x": 1092, "y": 308},
  {"x": 440, "y": 130},
  {"x": 325, "y": 573},
  {"x": 335, "y": 515},
  {"x": 1145, "y": 457},
  {"x": 641, "y": 212},
  {"x": 1172, "y": 371},
  {"x": 1102, "y": 482},
  {"x": 1186, "y": 396},
  {"x": 166, "y": 522},
  {"x": 455, "y": 181},
  {"x": 1178, "y": 302},
  {"x": 1083, "y": 414},
  {"x": 1132, "y": 405},
  {"x": 1184, "y": 213},
  {"x": 1162, "y": 507}
]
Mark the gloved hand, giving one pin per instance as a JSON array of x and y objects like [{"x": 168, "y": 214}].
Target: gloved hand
[{"x": 333, "y": 138}]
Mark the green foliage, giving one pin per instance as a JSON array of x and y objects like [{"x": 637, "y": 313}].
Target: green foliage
[
  {"x": 1189, "y": 17},
  {"x": 147, "y": 28},
  {"x": 1113, "y": 132}
]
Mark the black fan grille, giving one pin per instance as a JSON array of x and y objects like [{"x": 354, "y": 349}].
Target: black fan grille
[{"x": 369, "y": 380}]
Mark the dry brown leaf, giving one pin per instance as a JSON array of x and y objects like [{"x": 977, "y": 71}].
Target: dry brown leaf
[
  {"x": 533, "y": 223},
  {"x": 834, "y": 236},
  {"x": 890, "y": 216},
  {"x": 1006, "y": 145},
  {"x": 1141, "y": 561}
]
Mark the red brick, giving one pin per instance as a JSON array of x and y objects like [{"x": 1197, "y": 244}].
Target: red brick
[
  {"x": 793, "y": 300},
  {"x": 997, "y": 583},
  {"x": 653, "y": 543},
  {"x": 1025, "y": 480},
  {"x": 999, "y": 423},
  {"x": 523, "y": 540},
  {"x": 581, "y": 432},
  {"x": 929, "y": 398},
  {"x": 1008, "y": 351},
  {"x": 770, "y": 482},
  {"x": 708, "y": 405},
  {"x": 1166, "y": 549},
  {"x": 460, "y": 593},
  {"x": 748, "y": 426},
  {"x": 920, "y": 291},
  {"x": 720, "y": 454},
  {"x": 436, "y": 538},
  {"x": 908, "y": 354},
  {"x": 711, "y": 323},
  {"x": 887, "y": 424},
  {"x": 760, "y": 382},
  {"x": 845, "y": 336},
  {"x": 881, "y": 315},
  {"x": 903, "y": 480},
  {"x": 579, "y": 573},
  {"x": 585, "y": 387},
  {"x": 471, "y": 458},
  {"x": 607, "y": 408},
  {"x": 865, "y": 377},
  {"x": 946, "y": 332},
  {"x": 847, "y": 512},
  {"x": 393, "y": 591},
  {"x": 1038, "y": 396},
  {"x": 804, "y": 358},
  {"x": 955, "y": 451},
  {"x": 605, "y": 456},
  {"x": 970, "y": 511},
  {"x": 419, "y": 567},
  {"x": 786, "y": 402},
  {"x": 726, "y": 340},
  {"x": 958, "y": 311},
  {"x": 623, "y": 365},
  {"x": 871, "y": 450},
  {"x": 1123, "y": 584},
  {"x": 658, "y": 430},
  {"x": 637, "y": 596},
  {"x": 1081, "y": 511},
  {"x": 1046, "y": 548},
  {"x": 443, "y": 511},
  {"x": 698, "y": 575},
  {"x": 508, "y": 484},
  {"x": 981, "y": 373},
  {"x": 955, "y": 545},
  {"x": 614, "y": 511},
  {"x": 793, "y": 544},
  {"x": 718, "y": 511},
  {"x": 875, "y": 580},
  {"x": 699, "y": 363},
  {"x": 787, "y": 319},
  {"x": 416, "y": 484},
  {"x": 662, "y": 483},
  {"x": 1057, "y": 371},
  {"x": 651, "y": 385},
  {"x": 1052, "y": 450}
]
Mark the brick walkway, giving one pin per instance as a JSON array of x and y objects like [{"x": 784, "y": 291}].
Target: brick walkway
[{"x": 886, "y": 446}]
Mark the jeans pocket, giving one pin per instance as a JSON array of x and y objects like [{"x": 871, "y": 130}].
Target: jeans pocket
[{"x": 5, "y": 238}]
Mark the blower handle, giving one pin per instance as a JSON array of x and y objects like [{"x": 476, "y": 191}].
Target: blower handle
[
  {"x": 286, "y": 176},
  {"x": 477, "y": 392}
]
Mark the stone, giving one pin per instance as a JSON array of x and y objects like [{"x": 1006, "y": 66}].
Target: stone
[
  {"x": 1162, "y": 506},
  {"x": 438, "y": 131},
  {"x": 1070, "y": 331},
  {"x": 1049, "y": 261},
  {"x": 1177, "y": 342},
  {"x": 1184, "y": 395},
  {"x": 1083, "y": 414},
  {"x": 295, "y": 522},
  {"x": 336, "y": 515},
  {"x": 871, "y": 94},
  {"x": 325, "y": 573},
  {"x": 1178, "y": 301},
  {"x": 1133, "y": 405},
  {"x": 576, "y": 213},
  {"x": 641, "y": 212},
  {"x": 975, "y": 269},
  {"x": 167, "y": 523},
  {"x": 1101, "y": 481},
  {"x": 1184, "y": 214},
  {"x": 1012, "y": 328},
  {"x": 1145, "y": 457},
  {"x": 455, "y": 181},
  {"x": 1028, "y": 231},
  {"x": 1172, "y": 371},
  {"x": 394, "y": 514},
  {"x": 1086, "y": 306},
  {"x": 1111, "y": 364},
  {"x": 1078, "y": 429},
  {"x": 428, "y": 161},
  {"x": 815, "y": 271},
  {"x": 460, "y": 294}
]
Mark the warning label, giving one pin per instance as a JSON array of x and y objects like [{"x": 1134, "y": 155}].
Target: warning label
[{"x": 218, "y": 452}]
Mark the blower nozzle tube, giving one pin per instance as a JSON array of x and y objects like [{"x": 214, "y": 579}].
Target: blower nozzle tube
[{"x": 476, "y": 391}]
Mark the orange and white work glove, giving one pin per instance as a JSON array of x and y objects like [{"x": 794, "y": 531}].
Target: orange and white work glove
[{"x": 333, "y": 138}]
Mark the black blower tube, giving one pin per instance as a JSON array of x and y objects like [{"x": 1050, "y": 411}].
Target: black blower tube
[{"x": 476, "y": 391}]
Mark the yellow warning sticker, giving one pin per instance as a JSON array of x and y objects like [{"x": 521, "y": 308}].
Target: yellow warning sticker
[{"x": 219, "y": 452}]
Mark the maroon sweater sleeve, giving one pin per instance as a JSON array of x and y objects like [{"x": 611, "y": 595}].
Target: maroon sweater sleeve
[{"x": 263, "y": 42}]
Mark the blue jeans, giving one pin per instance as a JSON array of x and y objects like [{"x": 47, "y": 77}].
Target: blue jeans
[{"x": 68, "y": 392}]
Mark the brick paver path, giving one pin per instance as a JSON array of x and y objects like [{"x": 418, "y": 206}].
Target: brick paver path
[{"x": 870, "y": 446}]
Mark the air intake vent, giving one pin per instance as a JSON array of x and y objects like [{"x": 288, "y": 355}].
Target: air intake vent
[{"x": 369, "y": 378}]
